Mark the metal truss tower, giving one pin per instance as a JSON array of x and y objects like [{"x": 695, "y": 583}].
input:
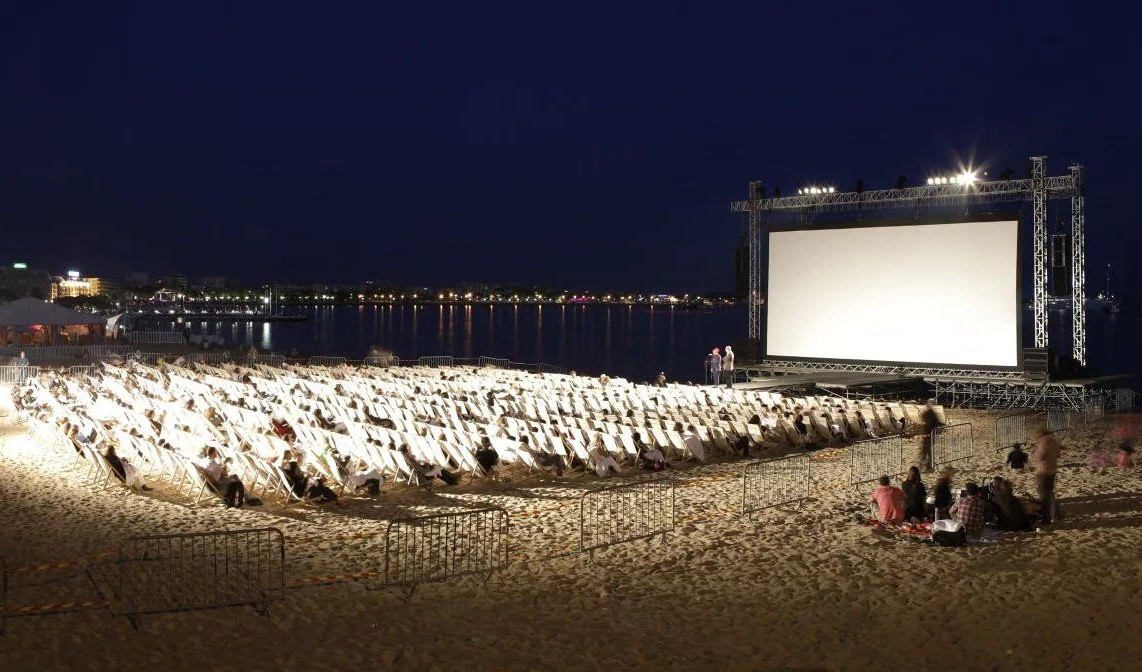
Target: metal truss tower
[
  {"x": 1078, "y": 267},
  {"x": 1039, "y": 238},
  {"x": 755, "y": 307}
]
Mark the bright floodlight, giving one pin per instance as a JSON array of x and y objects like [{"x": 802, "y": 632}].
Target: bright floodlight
[
  {"x": 967, "y": 177},
  {"x": 832, "y": 189}
]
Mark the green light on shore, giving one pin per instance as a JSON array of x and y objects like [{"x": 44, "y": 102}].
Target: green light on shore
[{"x": 20, "y": 265}]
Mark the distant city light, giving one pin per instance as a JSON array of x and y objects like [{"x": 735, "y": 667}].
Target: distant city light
[
  {"x": 19, "y": 265},
  {"x": 73, "y": 274}
]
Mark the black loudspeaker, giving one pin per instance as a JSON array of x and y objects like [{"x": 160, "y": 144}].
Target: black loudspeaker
[{"x": 1036, "y": 363}]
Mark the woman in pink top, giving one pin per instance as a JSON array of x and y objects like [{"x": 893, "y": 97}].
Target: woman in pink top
[{"x": 889, "y": 501}]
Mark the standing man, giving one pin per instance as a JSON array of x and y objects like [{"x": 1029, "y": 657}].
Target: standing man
[
  {"x": 1045, "y": 459},
  {"x": 728, "y": 367},
  {"x": 931, "y": 422},
  {"x": 714, "y": 366}
]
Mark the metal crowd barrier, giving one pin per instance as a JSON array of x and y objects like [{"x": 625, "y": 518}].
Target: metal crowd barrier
[
  {"x": 952, "y": 443},
  {"x": 83, "y": 370},
  {"x": 435, "y": 360},
  {"x": 1094, "y": 409},
  {"x": 212, "y": 358},
  {"x": 16, "y": 375},
  {"x": 1123, "y": 400},
  {"x": 775, "y": 483},
  {"x": 872, "y": 458},
  {"x": 326, "y": 361},
  {"x": 626, "y": 512},
  {"x": 1058, "y": 420},
  {"x": 156, "y": 337},
  {"x": 493, "y": 362},
  {"x": 182, "y": 572},
  {"x": 428, "y": 549},
  {"x": 1011, "y": 429},
  {"x": 42, "y": 353},
  {"x": 382, "y": 360}
]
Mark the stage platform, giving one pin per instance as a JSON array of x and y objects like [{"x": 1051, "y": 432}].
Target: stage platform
[{"x": 1000, "y": 389}]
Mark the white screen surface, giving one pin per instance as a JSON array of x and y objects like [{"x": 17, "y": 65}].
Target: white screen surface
[{"x": 932, "y": 293}]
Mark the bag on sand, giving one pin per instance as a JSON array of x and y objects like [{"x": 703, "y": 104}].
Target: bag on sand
[{"x": 949, "y": 533}]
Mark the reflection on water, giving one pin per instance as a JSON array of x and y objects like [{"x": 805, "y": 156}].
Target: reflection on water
[{"x": 630, "y": 341}]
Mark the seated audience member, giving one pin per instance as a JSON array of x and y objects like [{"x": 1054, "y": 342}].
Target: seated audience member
[
  {"x": 660, "y": 380},
  {"x": 889, "y": 501},
  {"x": 943, "y": 495},
  {"x": 315, "y": 488},
  {"x": 968, "y": 510},
  {"x": 1016, "y": 459},
  {"x": 124, "y": 470},
  {"x": 227, "y": 485},
  {"x": 551, "y": 461},
  {"x": 604, "y": 463},
  {"x": 915, "y": 495},
  {"x": 365, "y": 476},
  {"x": 1009, "y": 513},
  {"x": 488, "y": 458},
  {"x": 652, "y": 458},
  {"x": 865, "y": 425}
]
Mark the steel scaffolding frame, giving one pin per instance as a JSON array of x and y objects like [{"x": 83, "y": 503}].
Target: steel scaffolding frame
[
  {"x": 1027, "y": 394},
  {"x": 803, "y": 366},
  {"x": 1078, "y": 267},
  {"x": 1039, "y": 189}
]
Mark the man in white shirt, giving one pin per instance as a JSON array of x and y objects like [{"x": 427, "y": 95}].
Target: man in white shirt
[{"x": 728, "y": 367}]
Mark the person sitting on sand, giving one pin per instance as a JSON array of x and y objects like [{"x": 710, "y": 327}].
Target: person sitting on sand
[
  {"x": 942, "y": 501},
  {"x": 1125, "y": 456},
  {"x": 915, "y": 495},
  {"x": 968, "y": 510},
  {"x": 1009, "y": 513},
  {"x": 889, "y": 501},
  {"x": 602, "y": 459},
  {"x": 1016, "y": 459}
]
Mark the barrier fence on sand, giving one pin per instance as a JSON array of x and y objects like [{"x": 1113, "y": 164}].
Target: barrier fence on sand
[
  {"x": 321, "y": 360},
  {"x": 1095, "y": 409},
  {"x": 952, "y": 443},
  {"x": 873, "y": 458},
  {"x": 1058, "y": 420},
  {"x": 182, "y": 572},
  {"x": 621, "y": 513},
  {"x": 776, "y": 482},
  {"x": 1123, "y": 400},
  {"x": 429, "y": 549},
  {"x": 1011, "y": 429},
  {"x": 15, "y": 375},
  {"x": 156, "y": 337}
]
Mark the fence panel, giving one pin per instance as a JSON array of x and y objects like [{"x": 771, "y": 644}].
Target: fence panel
[
  {"x": 435, "y": 360},
  {"x": 873, "y": 458},
  {"x": 154, "y": 337},
  {"x": 151, "y": 358},
  {"x": 1011, "y": 429},
  {"x": 382, "y": 360},
  {"x": 952, "y": 443},
  {"x": 1123, "y": 400},
  {"x": 16, "y": 375},
  {"x": 46, "y": 353},
  {"x": 1058, "y": 420},
  {"x": 774, "y": 483},
  {"x": 551, "y": 368},
  {"x": 211, "y": 358},
  {"x": 626, "y": 512},
  {"x": 326, "y": 361},
  {"x": 84, "y": 370},
  {"x": 181, "y": 572},
  {"x": 427, "y": 549},
  {"x": 1094, "y": 409},
  {"x": 494, "y": 362}
]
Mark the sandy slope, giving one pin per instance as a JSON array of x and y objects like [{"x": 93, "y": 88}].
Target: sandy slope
[{"x": 800, "y": 589}]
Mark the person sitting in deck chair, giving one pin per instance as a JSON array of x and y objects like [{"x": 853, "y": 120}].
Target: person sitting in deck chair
[
  {"x": 652, "y": 458},
  {"x": 488, "y": 458},
  {"x": 225, "y": 484},
  {"x": 865, "y": 425},
  {"x": 365, "y": 476},
  {"x": 125, "y": 471},
  {"x": 604, "y": 463}
]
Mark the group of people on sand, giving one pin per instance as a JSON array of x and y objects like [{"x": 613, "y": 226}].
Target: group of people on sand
[{"x": 975, "y": 506}]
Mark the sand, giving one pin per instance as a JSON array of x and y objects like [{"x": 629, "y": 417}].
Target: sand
[{"x": 792, "y": 589}]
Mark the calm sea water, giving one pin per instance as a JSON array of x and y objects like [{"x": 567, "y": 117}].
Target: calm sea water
[{"x": 630, "y": 341}]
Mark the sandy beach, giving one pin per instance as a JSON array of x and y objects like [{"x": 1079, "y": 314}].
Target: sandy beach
[{"x": 801, "y": 589}]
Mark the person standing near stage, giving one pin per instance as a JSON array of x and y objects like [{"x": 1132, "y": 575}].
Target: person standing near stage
[
  {"x": 931, "y": 421},
  {"x": 728, "y": 366},
  {"x": 1045, "y": 459},
  {"x": 714, "y": 366}
]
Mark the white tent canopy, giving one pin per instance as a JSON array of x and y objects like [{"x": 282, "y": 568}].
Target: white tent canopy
[{"x": 27, "y": 311}]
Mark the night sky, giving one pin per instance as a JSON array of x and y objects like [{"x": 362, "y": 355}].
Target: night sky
[{"x": 574, "y": 145}]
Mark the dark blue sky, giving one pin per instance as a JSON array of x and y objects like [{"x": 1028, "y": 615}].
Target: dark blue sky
[{"x": 589, "y": 146}]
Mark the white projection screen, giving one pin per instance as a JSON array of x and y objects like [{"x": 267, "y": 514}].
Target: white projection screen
[{"x": 919, "y": 293}]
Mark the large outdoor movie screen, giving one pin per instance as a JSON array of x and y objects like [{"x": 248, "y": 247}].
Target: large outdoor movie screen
[{"x": 918, "y": 293}]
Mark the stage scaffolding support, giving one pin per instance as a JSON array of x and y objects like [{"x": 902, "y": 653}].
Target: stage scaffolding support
[
  {"x": 1039, "y": 189},
  {"x": 1078, "y": 267},
  {"x": 1039, "y": 242}
]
